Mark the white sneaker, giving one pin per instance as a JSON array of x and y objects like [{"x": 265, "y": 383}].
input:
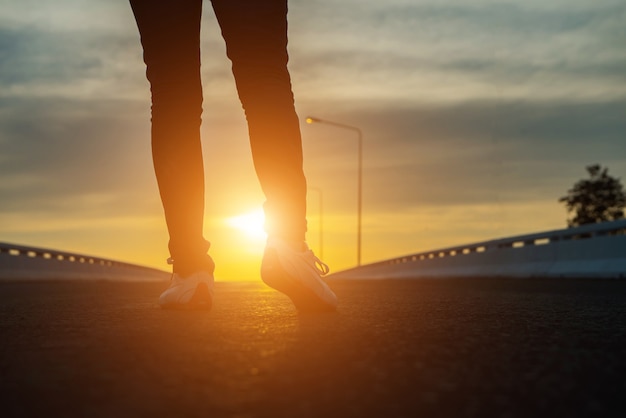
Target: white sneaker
[
  {"x": 193, "y": 292},
  {"x": 298, "y": 274}
]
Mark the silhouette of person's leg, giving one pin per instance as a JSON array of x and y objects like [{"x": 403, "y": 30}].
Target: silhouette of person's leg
[
  {"x": 255, "y": 33},
  {"x": 170, "y": 35}
]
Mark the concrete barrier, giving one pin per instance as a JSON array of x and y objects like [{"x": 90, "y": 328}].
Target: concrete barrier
[
  {"x": 22, "y": 263},
  {"x": 597, "y": 250}
]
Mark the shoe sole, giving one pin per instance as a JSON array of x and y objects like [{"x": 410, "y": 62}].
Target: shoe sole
[
  {"x": 304, "y": 299},
  {"x": 201, "y": 300}
]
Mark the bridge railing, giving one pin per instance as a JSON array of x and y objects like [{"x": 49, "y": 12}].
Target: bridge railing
[
  {"x": 596, "y": 250},
  {"x": 22, "y": 262}
]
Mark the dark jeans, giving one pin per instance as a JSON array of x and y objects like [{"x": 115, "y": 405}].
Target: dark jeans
[{"x": 255, "y": 32}]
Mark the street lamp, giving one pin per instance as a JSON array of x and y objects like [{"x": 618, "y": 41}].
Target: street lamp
[
  {"x": 311, "y": 120},
  {"x": 321, "y": 220}
]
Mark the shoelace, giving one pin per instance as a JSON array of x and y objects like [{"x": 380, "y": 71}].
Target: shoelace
[
  {"x": 170, "y": 261},
  {"x": 321, "y": 267}
]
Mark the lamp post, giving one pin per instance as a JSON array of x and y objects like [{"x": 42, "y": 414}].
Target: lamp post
[
  {"x": 321, "y": 220},
  {"x": 311, "y": 120}
]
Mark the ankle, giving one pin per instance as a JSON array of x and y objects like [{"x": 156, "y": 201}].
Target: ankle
[
  {"x": 185, "y": 268},
  {"x": 295, "y": 244}
]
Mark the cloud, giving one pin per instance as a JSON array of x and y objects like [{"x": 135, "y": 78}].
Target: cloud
[
  {"x": 469, "y": 153},
  {"x": 54, "y": 150},
  {"x": 41, "y": 62},
  {"x": 451, "y": 50}
]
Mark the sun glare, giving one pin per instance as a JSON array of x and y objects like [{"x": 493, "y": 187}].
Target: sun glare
[{"x": 251, "y": 224}]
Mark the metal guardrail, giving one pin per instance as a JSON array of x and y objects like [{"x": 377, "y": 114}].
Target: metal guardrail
[
  {"x": 23, "y": 262},
  {"x": 596, "y": 250}
]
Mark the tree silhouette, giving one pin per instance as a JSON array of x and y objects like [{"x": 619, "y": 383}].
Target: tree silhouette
[{"x": 599, "y": 198}]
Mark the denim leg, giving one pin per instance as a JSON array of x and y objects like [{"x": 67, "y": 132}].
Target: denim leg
[
  {"x": 255, "y": 33},
  {"x": 170, "y": 36}
]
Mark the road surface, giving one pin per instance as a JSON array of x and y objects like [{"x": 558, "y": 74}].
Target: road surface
[{"x": 395, "y": 348}]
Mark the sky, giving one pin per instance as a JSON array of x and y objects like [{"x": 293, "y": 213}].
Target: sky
[{"x": 477, "y": 115}]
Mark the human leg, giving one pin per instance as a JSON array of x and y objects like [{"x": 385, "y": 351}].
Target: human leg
[
  {"x": 256, "y": 42},
  {"x": 170, "y": 36}
]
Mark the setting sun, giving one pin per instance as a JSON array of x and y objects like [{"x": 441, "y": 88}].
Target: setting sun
[{"x": 251, "y": 224}]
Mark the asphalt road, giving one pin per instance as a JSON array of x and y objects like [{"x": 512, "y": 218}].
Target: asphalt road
[{"x": 412, "y": 348}]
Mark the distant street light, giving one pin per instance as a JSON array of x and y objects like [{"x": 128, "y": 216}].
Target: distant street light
[
  {"x": 321, "y": 222},
  {"x": 311, "y": 120}
]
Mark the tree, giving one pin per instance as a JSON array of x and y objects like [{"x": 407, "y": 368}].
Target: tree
[{"x": 599, "y": 198}]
